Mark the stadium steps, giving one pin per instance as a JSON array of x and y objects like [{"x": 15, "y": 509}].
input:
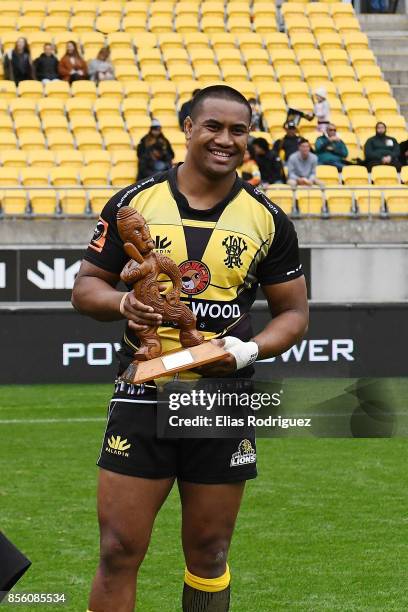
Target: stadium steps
[{"x": 388, "y": 35}]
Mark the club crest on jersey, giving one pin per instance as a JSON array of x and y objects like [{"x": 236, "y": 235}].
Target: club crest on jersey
[
  {"x": 195, "y": 276},
  {"x": 234, "y": 246},
  {"x": 244, "y": 455}
]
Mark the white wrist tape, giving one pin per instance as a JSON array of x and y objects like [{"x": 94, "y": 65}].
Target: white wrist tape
[
  {"x": 122, "y": 301},
  {"x": 245, "y": 353}
]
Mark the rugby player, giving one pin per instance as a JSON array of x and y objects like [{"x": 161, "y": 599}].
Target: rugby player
[{"x": 227, "y": 238}]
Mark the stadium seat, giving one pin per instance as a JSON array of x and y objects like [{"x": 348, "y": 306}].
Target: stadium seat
[
  {"x": 124, "y": 156},
  {"x": 82, "y": 22},
  {"x": 59, "y": 8},
  {"x": 43, "y": 159},
  {"x": 122, "y": 175},
  {"x": 329, "y": 41},
  {"x": 50, "y": 107},
  {"x": 8, "y": 141},
  {"x": 85, "y": 89},
  {"x": 136, "y": 7},
  {"x": 29, "y": 23},
  {"x": 110, "y": 8},
  {"x": 339, "y": 201},
  {"x": 301, "y": 40},
  {"x": 308, "y": 57},
  {"x": 98, "y": 198},
  {"x": 397, "y": 201},
  {"x": 368, "y": 201},
  {"x": 292, "y": 8},
  {"x": 31, "y": 89},
  {"x": 186, "y": 23},
  {"x": 13, "y": 202},
  {"x": 7, "y": 89},
  {"x": 99, "y": 157},
  {"x": 59, "y": 138},
  {"x": 43, "y": 201},
  {"x": 328, "y": 174},
  {"x": 355, "y": 40},
  {"x": 34, "y": 176},
  {"x": 9, "y": 176},
  {"x": 13, "y": 159},
  {"x": 30, "y": 138},
  {"x": 6, "y": 124},
  {"x": 73, "y": 201},
  {"x": 116, "y": 139},
  {"x": 64, "y": 176},
  {"x": 55, "y": 23},
  {"x": 310, "y": 201},
  {"x": 58, "y": 89},
  {"x": 320, "y": 9},
  {"x": 69, "y": 158},
  {"x": 384, "y": 176},
  {"x": 160, "y": 23},
  {"x": 340, "y": 8},
  {"x": 10, "y": 8},
  {"x": 354, "y": 175},
  {"x": 93, "y": 175},
  {"x": 283, "y": 197},
  {"x": 87, "y": 139}
]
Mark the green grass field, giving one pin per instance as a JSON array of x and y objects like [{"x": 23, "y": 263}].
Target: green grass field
[{"x": 323, "y": 527}]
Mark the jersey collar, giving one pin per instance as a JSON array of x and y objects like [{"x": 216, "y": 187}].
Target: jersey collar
[{"x": 182, "y": 201}]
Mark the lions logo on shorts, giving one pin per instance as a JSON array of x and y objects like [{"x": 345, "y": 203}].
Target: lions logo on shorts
[{"x": 245, "y": 454}]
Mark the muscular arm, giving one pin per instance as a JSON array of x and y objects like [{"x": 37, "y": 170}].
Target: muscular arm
[
  {"x": 289, "y": 309},
  {"x": 94, "y": 294}
]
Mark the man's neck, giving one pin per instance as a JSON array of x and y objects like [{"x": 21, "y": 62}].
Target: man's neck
[{"x": 201, "y": 192}]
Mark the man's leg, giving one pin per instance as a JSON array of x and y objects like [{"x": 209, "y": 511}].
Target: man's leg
[
  {"x": 209, "y": 512},
  {"x": 127, "y": 507}
]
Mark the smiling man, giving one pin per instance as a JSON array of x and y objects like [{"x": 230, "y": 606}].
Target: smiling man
[{"x": 226, "y": 238}]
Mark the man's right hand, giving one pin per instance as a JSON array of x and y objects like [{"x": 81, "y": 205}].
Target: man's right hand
[{"x": 139, "y": 315}]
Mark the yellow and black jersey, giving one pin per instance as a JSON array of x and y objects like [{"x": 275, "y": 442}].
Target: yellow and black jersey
[{"x": 222, "y": 253}]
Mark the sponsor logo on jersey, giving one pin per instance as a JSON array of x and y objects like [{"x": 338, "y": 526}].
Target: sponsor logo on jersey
[
  {"x": 162, "y": 244},
  {"x": 99, "y": 236},
  {"x": 117, "y": 446},
  {"x": 195, "y": 276},
  {"x": 234, "y": 247},
  {"x": 216, "y": 311},
  {"x": 244, "y": 455}
]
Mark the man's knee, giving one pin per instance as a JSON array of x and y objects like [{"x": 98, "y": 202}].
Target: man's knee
[
  {"x": 206, "y": 556},
  {"x": 120, "y": 553}
]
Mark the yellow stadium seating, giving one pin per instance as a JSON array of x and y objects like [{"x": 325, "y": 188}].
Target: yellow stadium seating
[
  {"x": 317, "y": 8},
  {"x": 384, "y": 176},
  {"x": 64, "y": 176},
  {"x": 10, "y": 8},
  {"x": 13, "y": 202},
  {"x": 13, "y": 159},
  {"x": 137, "y": 8},
  {"x": 82, "y": 22},
  {"x": 328, "y": 174},
  {"x": 93, "y": 175},
  {"x": 9, "y": 177},
  {"x": 116, "y": 139},
  {"x": 98, "y": 198},
  {"x": 59, "y": 8},
  {"x": 69, "y": 158},
  {"x": 122, "y": 175},
  {"x": 397, "y": 201},
  {"x": 110, "y": 90},
  {"x": 355, "y": 40},
  {"x": 8, "y": 141},
  {"x": 55, "y": 23},
  {"x": 87, "y": 138},
  {"x": 292, "y": 8},
  {"x": 310, "y": 201},
  {"x": 99, "y": 157},
  {"x": 29, "y": 23},
  {"x": 124, "y": 156},
  {"x": 7, "y": 90},
  {"x": 43, "y": 159},
  {"x": 84, "y": 8},
  {"x": 43, "y": 201},
  {"x": 50, "y": 107},
  {"x": 283, "y": 197},
  {"x": 34, "y": 176},
  {"x": 339, "y": 201},
  {"x": 354, "y": 175},
  {"x": 369, "y": 201},
  {"x": 110, "y": 9},
  {"x": 58, "y": 89},
  {"x": 6, "y": 124},
  {"x": 119, "y": 40},
  {"x": 73, "y": 201}
]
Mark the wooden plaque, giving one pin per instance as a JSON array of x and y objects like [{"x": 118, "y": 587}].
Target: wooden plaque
[{"x": 173, "y": 362}]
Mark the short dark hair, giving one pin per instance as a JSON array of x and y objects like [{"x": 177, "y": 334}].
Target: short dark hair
[
  {"x": 303, "y": 140},
  {"x": 222, "y": 92},
  {"x": 380, "y": 123},
  {"x": 195, "y": 92},
  {"x": 262, "y": 143}
]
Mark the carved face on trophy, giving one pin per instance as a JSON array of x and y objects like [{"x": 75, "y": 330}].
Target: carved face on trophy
[{"x": 141, "y": 273}]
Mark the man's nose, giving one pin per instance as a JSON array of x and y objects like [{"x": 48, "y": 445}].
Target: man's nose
[{"x": 224, "y": 138}]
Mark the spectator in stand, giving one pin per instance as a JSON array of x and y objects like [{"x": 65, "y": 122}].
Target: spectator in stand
[
  {"x": 17, "y": 63},
  {"x": 404, "y": 153},
  {"x": 269, "y": 163},
  {"x": 321, "y": 110},
  {"x": 257, "y": 124},
  {"x": 249, "y": 170},
  {"x": 46, "y": 65},
  {"x": 382, "y": 149},
  {"x": 155, "y": 136},
  {"x": 152, "y": 161},
  {"x": 72, "y": 66},
  {"x": 289, "y": 143},
  {"x": 185, "y": 109},
  {"x": 302, "y": 167},
  {"x": 330, "y": 149},
  {"x": 101, "y": 68}
]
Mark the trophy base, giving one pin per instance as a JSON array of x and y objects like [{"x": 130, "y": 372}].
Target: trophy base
[{"x": 170, "y": 363}]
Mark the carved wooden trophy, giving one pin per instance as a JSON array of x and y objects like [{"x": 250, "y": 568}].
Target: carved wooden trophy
[{"x": 141, "y": 272}]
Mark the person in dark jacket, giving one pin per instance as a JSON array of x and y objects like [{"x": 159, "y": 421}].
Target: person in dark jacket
[
  {"x": 153, "y": 161},
  {"x": 269, "y": 163},
  {"x": 289, "y": 143},
  {"x": 330, "y": 149},
  {"x": 404, "y": 153},
  {"x": 184, "y": 111},
  {"x": 17, "y": 63},
  {"x": 46, "y": 66},
  {"x": 155, "y": 136},
  {"x": 382, "y": 149}
]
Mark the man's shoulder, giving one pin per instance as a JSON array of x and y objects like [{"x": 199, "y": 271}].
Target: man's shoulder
[
  {"x": 263, "y": 200},
  {"x": 313, "y": 156},
  {"x": 126, "y": 195}
]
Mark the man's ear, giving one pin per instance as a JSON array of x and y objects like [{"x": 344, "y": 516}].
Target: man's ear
[{"x": 188, "y": 127}]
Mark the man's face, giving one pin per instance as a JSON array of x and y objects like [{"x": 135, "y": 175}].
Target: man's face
[
  {"x": 380, "y": 129},
  {"x": 155, "y": 131},
  {"x": 142, "y": 239},
  {"x": 304, "y": 149},
  {"x": 48, "y": 50},
  {"x": 291, "y": 132},
  {"x": 218, "y": 136}
]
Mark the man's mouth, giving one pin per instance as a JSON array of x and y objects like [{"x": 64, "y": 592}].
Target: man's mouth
[{"x": 221, "y": 154}]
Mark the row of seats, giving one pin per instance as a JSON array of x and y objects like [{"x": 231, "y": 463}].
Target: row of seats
[
  {"x": 94, "y": 174},
  {"x": 341, "y": 201},
  {"x": 358, "y": 175},
  {"x": 302, "y": 202}
]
